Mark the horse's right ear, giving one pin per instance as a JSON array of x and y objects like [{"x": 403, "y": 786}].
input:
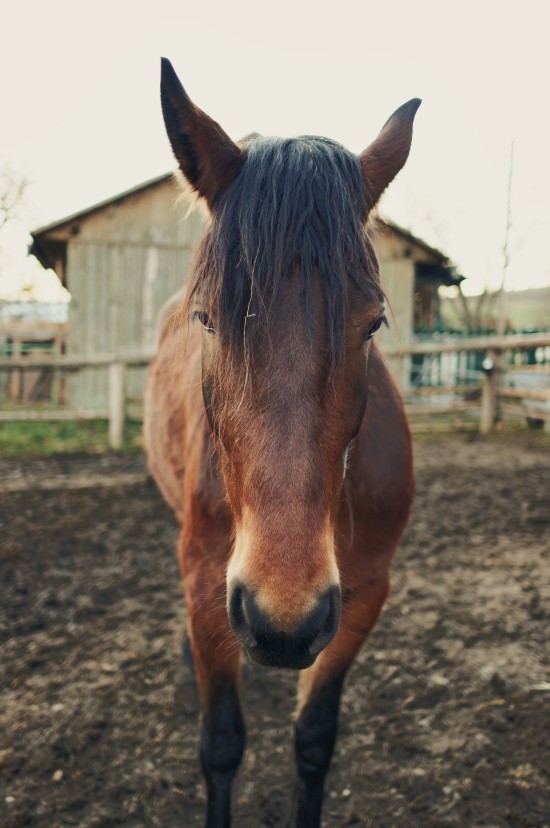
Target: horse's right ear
[
  {"x": 207, "y": 156},
  {"x": 383, "y": 159}
]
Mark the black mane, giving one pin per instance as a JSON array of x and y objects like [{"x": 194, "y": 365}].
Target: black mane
[{"x": 293, "y": 197}]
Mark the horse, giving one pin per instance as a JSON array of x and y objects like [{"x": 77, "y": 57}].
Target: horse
[{"x": 274, "y": 430}]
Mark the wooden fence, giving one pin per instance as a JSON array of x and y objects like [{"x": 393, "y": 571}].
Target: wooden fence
[
  {"x": 117, "y": 366},
  {"x": 485, "y": 396},
  {"x": 496, "y": 387}
]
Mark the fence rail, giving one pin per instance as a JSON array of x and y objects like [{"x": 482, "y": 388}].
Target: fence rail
[
  {"x": 510, "y": 342},
  {"x": 117, "y": 366},
  {"x": 63, "y": 361},
  {"x": 480, "y": 392},
  {"x": 488, "y": 376}
]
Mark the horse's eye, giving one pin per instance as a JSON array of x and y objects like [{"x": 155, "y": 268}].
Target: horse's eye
[
  {"x": 205, "y": 320},
  {"x": 377, "y": 325}
]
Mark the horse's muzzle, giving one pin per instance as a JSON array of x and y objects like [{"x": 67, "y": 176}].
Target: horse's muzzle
[{"x": 273, "y": 648}]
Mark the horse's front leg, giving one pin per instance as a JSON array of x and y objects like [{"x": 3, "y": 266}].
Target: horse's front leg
[
  {"x": 221, "y": 750},
  {"x": 216, "y": 655},
  {"x": 320, "y": 689}
]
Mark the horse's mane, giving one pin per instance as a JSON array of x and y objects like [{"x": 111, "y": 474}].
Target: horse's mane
[{"x": 298, "y": 200}]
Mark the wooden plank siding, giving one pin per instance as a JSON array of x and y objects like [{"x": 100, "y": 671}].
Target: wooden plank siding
[
  {"x": 123, "y": 263},
  {"x": 397, "y": 277},
  {"x": 117, "y": 293}
]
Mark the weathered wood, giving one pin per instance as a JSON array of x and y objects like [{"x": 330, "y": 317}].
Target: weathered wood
[
  {"x": 427, "y": 390},
  {"x": 32, "y": 330},
  {"x": 122, "y": 267},
  {"x": 397, "y": 274},
  {"x": 136, "y": 358},
  {"x": 133, "y": 358},
  {"x": 412, "y": 408},
  {"x": 528, "y": 394},
  {"x": 16, "y": 376},
  {"x": 524, "y": 412},
  {"x": 117, "y": 404},
  {"x": 528, "y": 369},
  {"x": 58, "y": 361},
  {"x": 44, "y": 415},
  {"x": 475, "y": 343},
  {"x": 444, "y": 427},
  {"x": 120, "y": 392},
  {"x": 489, "y": 390}
]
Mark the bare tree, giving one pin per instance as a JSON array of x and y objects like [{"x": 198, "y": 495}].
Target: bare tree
[
  {"x": 471, "y": 314},
  {"x": 478, "y": 312},
  {"x": 12, "y": 192}
]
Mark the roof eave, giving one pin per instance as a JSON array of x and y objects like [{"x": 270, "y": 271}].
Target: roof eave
[
  {"x": 37, "y": 250},
  {"x": 406, "y": 234},
  {"x": 60, "y": 223}
]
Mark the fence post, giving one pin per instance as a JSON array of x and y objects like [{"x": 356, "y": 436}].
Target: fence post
[
  {"x": 16, "y": 378},
  {"x": 117, "y": 404},
  {"x": 489, "y": 390}
]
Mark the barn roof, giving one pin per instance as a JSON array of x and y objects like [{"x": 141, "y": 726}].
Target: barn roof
[
  {"x": 41, "y": 237},
  {"x": 102, "y": 205},
  {"x": 48, "y": 240},
  {"x": 408, "y": 236}
]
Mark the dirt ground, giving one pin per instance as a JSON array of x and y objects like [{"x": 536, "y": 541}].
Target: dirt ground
[{"x": 446, "y": 715}]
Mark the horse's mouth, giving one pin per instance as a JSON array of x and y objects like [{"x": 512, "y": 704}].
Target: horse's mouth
[{"x": 280, "y": 658}]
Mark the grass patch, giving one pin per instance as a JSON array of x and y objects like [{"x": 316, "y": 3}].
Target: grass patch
[{"x": 20, "y": 438}]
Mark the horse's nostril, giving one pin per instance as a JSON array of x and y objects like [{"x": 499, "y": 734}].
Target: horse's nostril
[
  {"x": 271, "y": 646},
  {"x": 238, "y": 616},
  {"x": 235, "y": 606},
  {"x": 327, "y": 620}
]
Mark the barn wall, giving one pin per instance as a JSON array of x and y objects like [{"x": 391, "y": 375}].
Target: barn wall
[
  {"x": 398, "y": 282},
  {"x": 397, "y": 257},
  {"x": 122, "y": 266}
]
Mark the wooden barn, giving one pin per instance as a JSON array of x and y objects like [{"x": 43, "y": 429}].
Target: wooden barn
[{"x": 123, "y": 258}]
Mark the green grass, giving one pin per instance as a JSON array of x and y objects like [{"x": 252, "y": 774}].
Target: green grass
[{"x": 20, "y": 438}]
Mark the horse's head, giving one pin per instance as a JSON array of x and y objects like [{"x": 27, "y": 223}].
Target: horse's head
[{"x": 287, "y": 290}]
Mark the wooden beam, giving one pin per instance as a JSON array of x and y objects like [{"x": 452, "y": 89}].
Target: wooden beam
[
  {"x": 528, "y": 369},
  {"x": 527, "y": 394},
  {"x": 427, "y": 428},
  {"x": 525, "y": 413},
  {"x": 44, "y": 415},
  {"x": 426, "y": 390},
  {"x": 412, "y": 408},
  {"x": 475, "y": 343},
  {"x": 59, "y": 361}
]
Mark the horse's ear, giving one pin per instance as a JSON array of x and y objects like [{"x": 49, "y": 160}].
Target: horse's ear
[
  {"x": 383, "y": 159},
  {"x": 207, "y": 156}
]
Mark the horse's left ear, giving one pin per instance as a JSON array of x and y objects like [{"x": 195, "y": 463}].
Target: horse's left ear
[
  {"x": 383, "y": 159},
  {"x": 207, "y": 156}
]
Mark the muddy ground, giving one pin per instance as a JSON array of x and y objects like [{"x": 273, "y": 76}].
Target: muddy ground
[{"x": 446, "y": 714}]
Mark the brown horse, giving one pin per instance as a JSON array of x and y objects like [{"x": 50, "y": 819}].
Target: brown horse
[{"x": 274, "y": 430}]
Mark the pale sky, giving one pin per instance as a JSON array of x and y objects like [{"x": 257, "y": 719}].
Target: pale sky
[{"x": 80, "y": 113}]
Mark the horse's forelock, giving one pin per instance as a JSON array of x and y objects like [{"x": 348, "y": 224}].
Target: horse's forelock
[{"x": 294, "y": 199}]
